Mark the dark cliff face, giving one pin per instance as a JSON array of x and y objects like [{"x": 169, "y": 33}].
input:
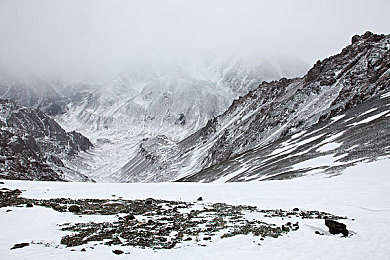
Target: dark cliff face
[
  {"x": 31, "y": 142},
  {"x": 282, "y": 108}
]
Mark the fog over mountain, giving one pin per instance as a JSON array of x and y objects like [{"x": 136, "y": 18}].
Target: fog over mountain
[{"x": 94, "y": 39}]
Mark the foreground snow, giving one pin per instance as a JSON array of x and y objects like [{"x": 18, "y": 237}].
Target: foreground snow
[{"x": 360, "y": 193}]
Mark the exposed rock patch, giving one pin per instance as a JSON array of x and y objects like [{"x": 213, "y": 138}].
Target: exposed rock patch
[{"x": 162, "y": 224}]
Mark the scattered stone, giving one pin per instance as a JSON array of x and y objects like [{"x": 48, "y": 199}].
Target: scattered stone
[
  {"x": 83, "y": 250},
  {"x": 117, "y": 252},
  {"x": 336, "y": 227},
  {"x": 29, "y": 205},
  {"x": 318, "y": 233},
  {"x": 218, "y": 219},
  {"x": 8, "y": 210},
  {"x": 200, "y": 199},
  {"x": 296, "y": 209},
  {"x": 295, "y": 227},
  {"x": 74, "y": 208},
  {"x": 1, "y": 182},
  {"x": 16, "y": 246}
]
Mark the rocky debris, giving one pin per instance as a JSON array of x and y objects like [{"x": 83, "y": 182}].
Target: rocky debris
[
  {"x": 318, "y": 233},
  {"x": 295, "y": 226},
  {"x": 74, "y": 208},
  {"x": 336, "y": 227},
  {"x": 162, "y": 224},
  {"x": 29, "y": 205},
  {"x": 200, "y": 199},
  {"x": 32, "y": 145},
  {"x": 20, "y": 245}
]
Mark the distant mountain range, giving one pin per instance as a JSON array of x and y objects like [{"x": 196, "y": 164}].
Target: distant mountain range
[{"x": 180, "y": 123}]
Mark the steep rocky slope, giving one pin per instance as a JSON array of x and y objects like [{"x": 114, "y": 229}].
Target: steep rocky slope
[
  {"x": 360, "y": 73},
  {"x": 33, "y": 146}
]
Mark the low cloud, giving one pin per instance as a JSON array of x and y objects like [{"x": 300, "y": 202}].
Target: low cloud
[{"x": 93, "y": 39}]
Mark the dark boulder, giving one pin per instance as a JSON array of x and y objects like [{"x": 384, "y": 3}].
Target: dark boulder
[
  {"x": 336, "y": 227},
  {"x": 74, "y": 208},
  {"x": 129, "y": 217},
  {"x": 117, "y": 252},
  {"x": 16, "y": 246}
]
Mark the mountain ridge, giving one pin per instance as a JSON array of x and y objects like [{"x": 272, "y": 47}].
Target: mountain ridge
[{"x": 281, "y": 108}]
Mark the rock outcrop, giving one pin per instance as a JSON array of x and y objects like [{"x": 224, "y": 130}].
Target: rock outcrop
[{"x": 32, "y": 145}]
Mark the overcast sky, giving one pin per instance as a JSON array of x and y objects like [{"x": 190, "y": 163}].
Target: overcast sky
[{"x": 86, "y": 39}]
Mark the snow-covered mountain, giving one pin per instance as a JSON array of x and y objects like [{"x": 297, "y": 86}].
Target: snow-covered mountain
[
  {"x": 48, "y": 95},
  {"x": 148, "y": 102},
  {"x": 155, "y": 102},
  {"x": 357, "y": 78},
  {"x": 30, "y": 91},
  {"x": 243, "y": 73},
  {"x": 33, "y": 146}
]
